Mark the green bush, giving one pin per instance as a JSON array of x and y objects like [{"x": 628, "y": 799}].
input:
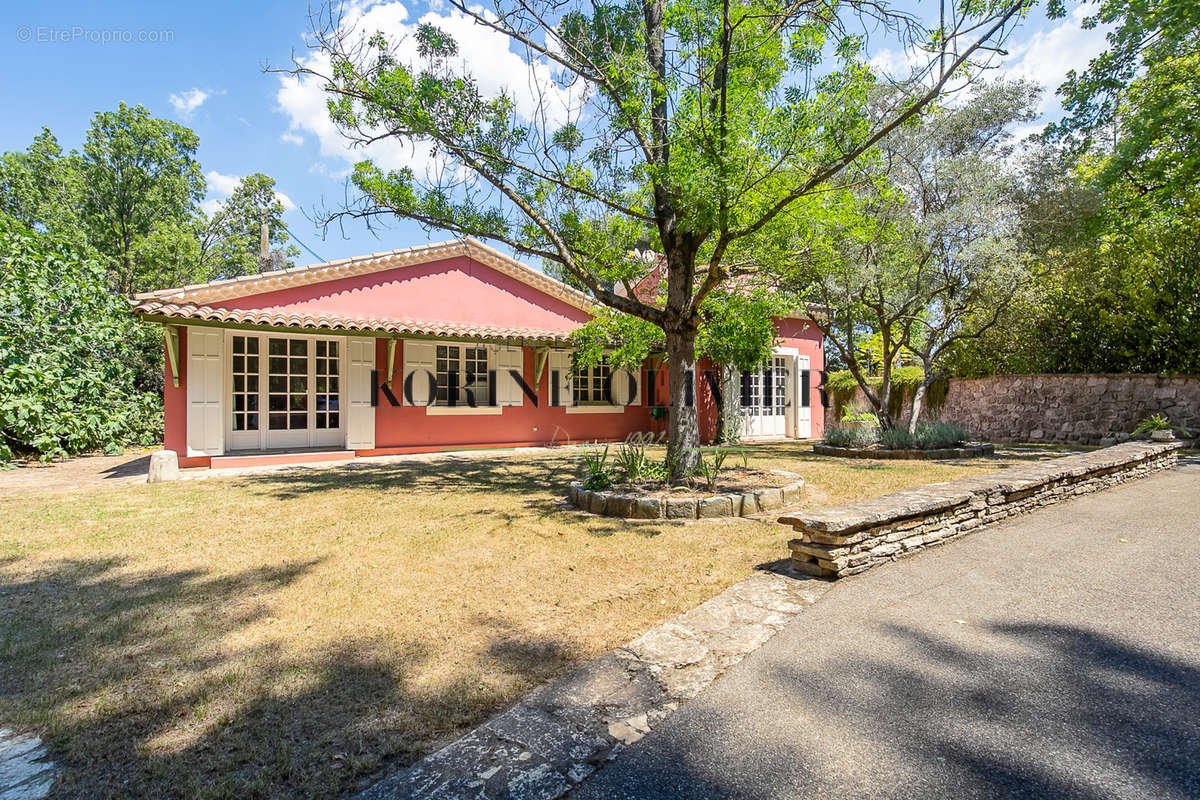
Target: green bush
[
  {"x": 850, "y": 437},
  {"x": 595, "y": 464},
  {"x": 897, "y": 439},
  {"x": 938, "y": 435},
  {"x": 67, "y": 353}
]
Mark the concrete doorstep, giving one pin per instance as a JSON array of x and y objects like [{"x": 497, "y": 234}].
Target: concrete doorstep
[{"x": 560, "y": 734}]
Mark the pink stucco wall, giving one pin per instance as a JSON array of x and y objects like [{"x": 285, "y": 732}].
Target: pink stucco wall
[{"x": 451, "y": 290}]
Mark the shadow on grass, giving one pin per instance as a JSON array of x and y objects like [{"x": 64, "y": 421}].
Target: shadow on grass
[
  {"x": 147, "y": 684},
  {"x": 1024, "y": 710}
]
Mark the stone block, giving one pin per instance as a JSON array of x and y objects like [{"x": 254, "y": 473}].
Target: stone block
[
  {"x": 745, "y": 504},
  {"x": 647, "y": 508},
  {"x": 620, "y": 505},
  {"x": 164, "y": 466},
  {"x": 597, "y": 502},
  {"x": 681, "y": 507},
  {"x": 793, "y": 493},
  {"x": 769, "y": 499},
  {"x": 714, "y": 507}
]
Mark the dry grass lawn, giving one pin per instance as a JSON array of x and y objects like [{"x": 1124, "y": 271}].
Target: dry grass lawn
[{"x": 293, "y": 634}]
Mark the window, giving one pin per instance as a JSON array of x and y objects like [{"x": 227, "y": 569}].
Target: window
[
  {"x": 589, "y": 384},
  {"x": 462, "y": 374},
  {"x": 245, "y": 383}
]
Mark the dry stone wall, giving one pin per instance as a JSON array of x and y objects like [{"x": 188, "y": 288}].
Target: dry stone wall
[
  {"x": 1077, "y": 409},
  {"x": 837, "y": 541}
]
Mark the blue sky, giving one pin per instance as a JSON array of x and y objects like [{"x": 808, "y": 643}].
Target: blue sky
[{"x": 202, "y": 65}]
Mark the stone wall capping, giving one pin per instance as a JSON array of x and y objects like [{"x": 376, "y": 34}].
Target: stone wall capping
[
  {"x": 837, "y": 541},
  {"x": 973, "y": 450},
  {"x": 627, "y": 506}
]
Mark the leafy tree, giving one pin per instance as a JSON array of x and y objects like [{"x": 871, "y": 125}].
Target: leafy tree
[
  {"x": 42, "y": 188},
  {"x": 927, "y": 258},
  {"x": 63, "y": 345},
  {"x": 230, "y": 242},
  {"x": 692, "y": 124},
  {"x": 139, "y": 174}
]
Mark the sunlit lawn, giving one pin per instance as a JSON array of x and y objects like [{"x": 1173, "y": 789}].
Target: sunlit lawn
[{"x": 292, "y": 634}]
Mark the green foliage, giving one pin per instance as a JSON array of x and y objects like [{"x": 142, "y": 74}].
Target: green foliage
[
  {"x": 623, "y": 340},
  {"x": 849, "y": 416},
  {"x": 897, "y": 439},
  {"x": 139, "y": 173},
  {"x": 631, "y": 462},
  {"x": 838, "y": 436},
  {"x": 1159, "y": 422},
  {"x": 936, "y": 435},
  {"x": 65, "y": 344},
  {"x": 709, "y": 468},
  {"x": 596, "y": 475},
  {"x": 738, "y": 327}
]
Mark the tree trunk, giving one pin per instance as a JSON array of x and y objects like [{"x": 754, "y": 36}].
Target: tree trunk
[
  {"x": 729, "y": 408},
  {"x": 683, "y": 429},
  {"x": 917, "y": 401}
]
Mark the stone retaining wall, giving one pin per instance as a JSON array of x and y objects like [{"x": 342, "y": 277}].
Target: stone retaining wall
[
  {"x": 626, "y": 506},
  {"x": 966, "y": 451},
  {"x": 1081, "y": 409},
  {"x": 837, "y": 541}
]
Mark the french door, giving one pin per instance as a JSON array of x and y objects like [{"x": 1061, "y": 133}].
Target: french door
[
  {"x": 765, "y": 400},
  {"x": 286, "y": 391}
]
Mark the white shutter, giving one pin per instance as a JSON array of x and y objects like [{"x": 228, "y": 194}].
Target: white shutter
[
  {"x": 360, "y": 419},
  {"x": 622, "y": 382},
  {"x": 205, "y": 368},
  {"x": 560, "y": 367},
  {"x": 505, "y": 358},
  {"x": 419, "y": 364}
]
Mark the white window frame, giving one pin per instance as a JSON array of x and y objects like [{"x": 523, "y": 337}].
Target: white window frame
[{"x": 314, "y": 437}]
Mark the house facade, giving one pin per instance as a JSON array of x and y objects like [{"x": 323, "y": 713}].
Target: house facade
[{"x": 437, "y": 347}]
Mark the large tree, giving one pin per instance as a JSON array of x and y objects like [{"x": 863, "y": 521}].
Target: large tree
[
  {"x": 140, "y": 173},
  {"x": 691, "y": 124},
  {"x": 922, "y": 255}
]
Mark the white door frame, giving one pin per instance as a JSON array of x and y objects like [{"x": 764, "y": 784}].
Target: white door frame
[{"x": 244, "y": 440}]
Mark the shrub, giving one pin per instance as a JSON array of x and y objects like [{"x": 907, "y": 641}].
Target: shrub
[
  {"x": 896, "y": 439},
  {"x": 67, "y": 353},
  {"x": 631, "y": 461},
  {"x": 850, "y": 437},
  {"x": 711, "y": 470},
  {"x": 937, "y": 435},
  {"x": 596, "y": 469}
]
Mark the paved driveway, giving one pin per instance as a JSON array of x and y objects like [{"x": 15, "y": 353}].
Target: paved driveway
[{"x": 1054, "y": 656}]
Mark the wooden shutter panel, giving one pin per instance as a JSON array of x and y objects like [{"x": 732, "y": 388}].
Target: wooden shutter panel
[
  {"x": 360, "y": 420},
  {"x": 505, "y": 358},
  {"x": 419, "y": 364},
  {"x": 560, "y": 368},
  {"x": 623, "y": 382},
  {"x": 206, "y": 368}
]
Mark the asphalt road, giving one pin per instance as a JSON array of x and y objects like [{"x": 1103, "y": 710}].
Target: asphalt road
[{"x": 1054, "y": 656}]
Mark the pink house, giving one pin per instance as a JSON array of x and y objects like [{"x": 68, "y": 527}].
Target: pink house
[{"x": 435, "y": 347}]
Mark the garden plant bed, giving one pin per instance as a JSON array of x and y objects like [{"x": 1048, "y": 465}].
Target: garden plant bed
[
  {"x": 970, "y": 450},
  {"x": 739, "y": 493}
]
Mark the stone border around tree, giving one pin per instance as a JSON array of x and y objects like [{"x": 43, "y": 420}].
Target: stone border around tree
[
  {"x": 836, "y": 541},
  {"x": 966, "y": 451},
  {"x": 630, "y": 506}
]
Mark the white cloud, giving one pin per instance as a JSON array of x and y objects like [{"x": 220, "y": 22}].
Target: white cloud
[
  {"x": 220, "y": 186},
  {"x": 1048, "y": 55},
  {"x": 187, "y": 102},
  {"x": 497, "y": 68},
  {"x": 287, "y": 137}
]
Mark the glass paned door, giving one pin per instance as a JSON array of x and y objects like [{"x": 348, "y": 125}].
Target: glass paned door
[
  {"x": 284, "y": 392},
  {"x": 765, "y": 399}
]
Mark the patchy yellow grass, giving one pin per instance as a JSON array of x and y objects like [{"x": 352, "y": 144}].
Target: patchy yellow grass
[{"x": 291, "y": 634}]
